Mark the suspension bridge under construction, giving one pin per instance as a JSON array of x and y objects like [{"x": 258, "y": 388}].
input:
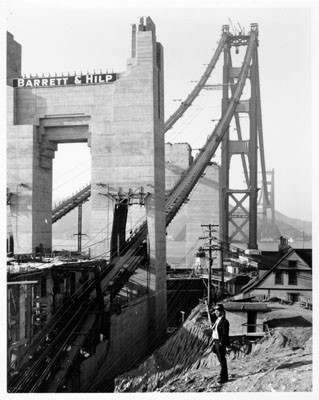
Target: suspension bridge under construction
[{"x": 121, "y": 117}]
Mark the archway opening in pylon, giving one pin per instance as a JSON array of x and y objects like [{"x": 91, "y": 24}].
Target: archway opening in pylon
[{"x": 71, "y": 173}]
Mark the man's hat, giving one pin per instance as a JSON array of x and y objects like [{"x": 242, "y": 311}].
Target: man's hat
[{"x": 219, "y": 307}]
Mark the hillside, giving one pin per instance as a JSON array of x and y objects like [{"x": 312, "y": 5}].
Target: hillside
[
  {"x": 280, "y": 362},
  {"x": 293, "y": 227}
]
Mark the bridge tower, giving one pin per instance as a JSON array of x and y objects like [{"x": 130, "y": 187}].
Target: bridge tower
[
  {"x": 239, "y": 205},
  {"x": 269, "y": 229}
]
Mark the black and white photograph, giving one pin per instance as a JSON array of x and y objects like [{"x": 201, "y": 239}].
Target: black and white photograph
[{"x": 159, "y": 173}]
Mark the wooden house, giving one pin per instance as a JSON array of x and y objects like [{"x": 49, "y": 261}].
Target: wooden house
[{"x": 289, "y": 279}]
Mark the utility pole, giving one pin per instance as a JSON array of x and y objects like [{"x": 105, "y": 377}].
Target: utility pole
[
  {"x": 79, "y": 234},
  {"x": 221, "y": 263},
  {"x": 79, "y": 227},
  {"x": 210, "y": 248}
]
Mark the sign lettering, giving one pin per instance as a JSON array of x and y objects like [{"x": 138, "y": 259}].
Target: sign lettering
[{"x": 64, "y": 81}]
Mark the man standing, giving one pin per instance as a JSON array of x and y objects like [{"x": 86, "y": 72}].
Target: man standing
[{"x": 221, "y": 340}]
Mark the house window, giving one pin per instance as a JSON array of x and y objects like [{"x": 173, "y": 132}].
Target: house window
[
  {"x": 292, "y": 263},
  {"x": 278, "y": 278},
  {"x": 292, "y": 278}
]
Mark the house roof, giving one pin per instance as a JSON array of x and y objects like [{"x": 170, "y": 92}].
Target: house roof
[
  {"x": 249, "y": 284},
  {"x": 254, "y": 282},
  {"x": 268, "y": 259},
  {"x": 306, "y": 255}
]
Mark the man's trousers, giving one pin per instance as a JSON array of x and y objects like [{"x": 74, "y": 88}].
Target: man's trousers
[{"x": 220, "y": 352}]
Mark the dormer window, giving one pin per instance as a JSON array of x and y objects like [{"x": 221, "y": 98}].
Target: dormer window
[{"x": 292, "y": 263}]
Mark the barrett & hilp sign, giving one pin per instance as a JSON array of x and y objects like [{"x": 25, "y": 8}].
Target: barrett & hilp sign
[{"x": 64, "y": 80}]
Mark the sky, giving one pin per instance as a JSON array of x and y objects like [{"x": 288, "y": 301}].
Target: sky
[{"x": 66, "y": 36}]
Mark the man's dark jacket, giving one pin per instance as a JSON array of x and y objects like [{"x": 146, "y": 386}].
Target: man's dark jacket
[{"x": 223, "y": 332}]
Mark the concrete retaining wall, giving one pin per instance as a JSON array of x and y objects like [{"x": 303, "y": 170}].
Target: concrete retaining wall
[{"x": 128, "y": 345}]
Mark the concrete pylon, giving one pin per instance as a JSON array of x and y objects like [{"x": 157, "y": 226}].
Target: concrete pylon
[
  {"x": 128, "y": 148},
  {"x": 122, "y": 120}
]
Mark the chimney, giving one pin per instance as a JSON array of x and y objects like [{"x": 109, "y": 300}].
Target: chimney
[{"x": 283, "y": 246}]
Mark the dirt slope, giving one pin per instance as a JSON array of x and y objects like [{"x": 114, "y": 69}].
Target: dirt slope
[{"x": 280, "y": 362}]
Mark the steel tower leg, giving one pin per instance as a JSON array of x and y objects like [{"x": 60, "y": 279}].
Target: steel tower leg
[
  {"x": 225, "y": 156},
  {"x": 253, "y": 145}
]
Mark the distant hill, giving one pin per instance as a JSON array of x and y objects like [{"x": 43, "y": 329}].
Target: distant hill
[{"x": 293, "y": 227}]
